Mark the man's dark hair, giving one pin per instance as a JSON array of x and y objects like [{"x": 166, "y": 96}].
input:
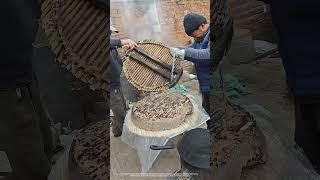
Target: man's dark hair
[{"x": 192, "y": 22}]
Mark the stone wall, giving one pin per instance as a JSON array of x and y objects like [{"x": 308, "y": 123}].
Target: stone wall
[{"x": 247, "y": 14}]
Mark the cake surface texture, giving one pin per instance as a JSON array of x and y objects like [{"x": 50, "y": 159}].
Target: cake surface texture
[{"x": 161, "y": 111}]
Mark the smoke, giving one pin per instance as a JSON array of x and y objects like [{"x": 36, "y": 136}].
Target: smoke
[{"x": 140, "y": 20}]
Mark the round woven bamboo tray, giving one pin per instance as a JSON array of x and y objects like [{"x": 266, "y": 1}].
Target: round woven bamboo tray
[{"x": 142, "y": 77}]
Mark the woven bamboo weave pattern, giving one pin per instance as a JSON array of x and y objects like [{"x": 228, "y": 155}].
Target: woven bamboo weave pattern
[
  {"x": 142, "y": 77},
  {"x": 78, "y": 33}
]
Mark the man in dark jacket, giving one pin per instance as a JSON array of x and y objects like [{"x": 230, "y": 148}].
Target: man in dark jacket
[
  {"x": 20, "y": 127},
  {"x": 298, "y": 26},
  {"x": 198, "y": 52},
  {"x": 117, "y": 101}
]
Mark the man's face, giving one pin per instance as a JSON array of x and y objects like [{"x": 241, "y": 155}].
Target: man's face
[{"x": 199, "y": 33}]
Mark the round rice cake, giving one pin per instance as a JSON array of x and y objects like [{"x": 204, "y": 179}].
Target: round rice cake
[{"x": 161, "y": 111}]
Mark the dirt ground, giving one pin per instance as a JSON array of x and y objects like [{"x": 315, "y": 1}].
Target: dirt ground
[{"x": 266, "y": 86}]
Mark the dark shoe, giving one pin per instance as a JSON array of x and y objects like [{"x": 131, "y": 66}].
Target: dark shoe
[{"x": 116, "y": 132}]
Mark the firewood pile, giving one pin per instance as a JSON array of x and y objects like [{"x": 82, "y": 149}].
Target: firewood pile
[{"x": 77, "y": 32}]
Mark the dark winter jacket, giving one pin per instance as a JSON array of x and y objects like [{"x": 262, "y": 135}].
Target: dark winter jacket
[
  {"x": 199, "y": 54},
  {"x": 298, "y": 26},
  {"x": 18, "y": 29}
]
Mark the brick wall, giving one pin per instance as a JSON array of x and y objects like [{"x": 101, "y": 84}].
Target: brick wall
[
  {"x": 129, "y": 18},
  {"x": 247, "y": 14}
]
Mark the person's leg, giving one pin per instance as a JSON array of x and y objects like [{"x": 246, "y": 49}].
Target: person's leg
[
  {"x": 44, "y": 121},
  {"x": 306, "y": 128},
  {"x": 118, "y": 107},
  {"x": 301, "y": 130},
  {"x": 317, "y": 115},
  {"x": 117, "y": 101},
  {"x": 21, "y": 136},
  {"x": 206, "y": 102},
  {"x": 206, "y": 106},
  {"x": 315, "y": 108},
  {"x": 107, "y": 99}
]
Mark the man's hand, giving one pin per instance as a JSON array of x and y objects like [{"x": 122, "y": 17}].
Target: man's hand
[
  {"x": 178, "y": 53},
  {"x": 128, "y": 44}
]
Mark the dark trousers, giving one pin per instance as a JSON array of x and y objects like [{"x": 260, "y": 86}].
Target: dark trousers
[
  {"x": 307, "y": 130},
  {"x": 44, "y": 121},
  {"x": 115, "y": 69},
  {"x": 117, "y": 101},
  {"x": 206, "y": 105},
  {"x": 118, "y": 106},
  {"x": 23, "y": 131}
]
